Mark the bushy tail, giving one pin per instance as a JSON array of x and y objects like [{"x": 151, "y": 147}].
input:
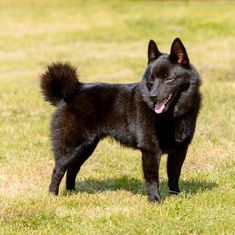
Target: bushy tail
[{"x": 60, "y": 81}]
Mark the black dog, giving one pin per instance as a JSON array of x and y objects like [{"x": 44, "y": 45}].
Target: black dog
[{"x": 157, "y": 115}]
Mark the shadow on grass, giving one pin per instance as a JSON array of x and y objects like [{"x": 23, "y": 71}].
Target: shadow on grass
[{"x": 136, "y": 186}]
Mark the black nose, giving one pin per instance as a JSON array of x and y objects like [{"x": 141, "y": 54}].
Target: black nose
[{"x": 153, "y": 97}]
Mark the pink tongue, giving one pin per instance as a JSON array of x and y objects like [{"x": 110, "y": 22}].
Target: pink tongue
[{"x": 159, "y": 106}]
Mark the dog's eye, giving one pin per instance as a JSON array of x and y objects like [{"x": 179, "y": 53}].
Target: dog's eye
[
  {"x": 151, "y": 79},
  {"x": 168, "y": 80}
]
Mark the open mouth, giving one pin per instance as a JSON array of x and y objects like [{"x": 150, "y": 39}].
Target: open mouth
[{"x": 161, "y": 105}]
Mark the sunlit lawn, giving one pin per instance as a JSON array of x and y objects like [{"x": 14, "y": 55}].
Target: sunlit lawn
[{"x": 108, "y": 40}]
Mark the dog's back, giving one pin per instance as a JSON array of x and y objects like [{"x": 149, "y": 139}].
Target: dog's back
[{"x": 86, "y": 112}]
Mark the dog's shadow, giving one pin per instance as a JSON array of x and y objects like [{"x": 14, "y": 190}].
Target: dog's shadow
[{"x": 136, "y": 186}]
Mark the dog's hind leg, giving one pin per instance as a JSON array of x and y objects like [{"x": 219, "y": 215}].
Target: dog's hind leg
[
  {"x": 174, "y": 164},
  {"x": 62, "y": 161},
  {"x": 75, "y": 165},
  {"x": 57, "y": 175}
]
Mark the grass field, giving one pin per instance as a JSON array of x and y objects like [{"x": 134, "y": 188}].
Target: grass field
[{"x": 108, "y": 40}]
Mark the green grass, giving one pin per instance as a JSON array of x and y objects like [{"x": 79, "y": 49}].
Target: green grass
[{"x": 108, "y": 41}]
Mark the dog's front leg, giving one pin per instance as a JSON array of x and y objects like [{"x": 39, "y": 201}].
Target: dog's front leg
[{"x": 151, "y": 163}]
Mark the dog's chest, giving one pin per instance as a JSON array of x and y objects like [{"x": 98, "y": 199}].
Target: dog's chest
[{"x": 170, "y": 133}]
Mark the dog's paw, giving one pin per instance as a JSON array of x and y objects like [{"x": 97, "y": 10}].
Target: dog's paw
[
  {"x": 172, "y": 192},
  {"x": 53, "y": 190},
  {"x": 152, "y": 192},
  {"x": 154, "y": 199}
]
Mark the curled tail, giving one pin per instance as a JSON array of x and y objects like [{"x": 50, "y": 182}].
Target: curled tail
[{"x": 60, "y": 81}]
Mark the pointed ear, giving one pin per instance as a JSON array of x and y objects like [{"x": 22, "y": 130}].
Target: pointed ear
[
  {"x": 153, "y": 52},
  {"x": 178, "y": 53}
]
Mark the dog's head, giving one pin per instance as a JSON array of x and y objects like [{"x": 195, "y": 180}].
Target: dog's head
[{"x": 170, "y": 80}]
